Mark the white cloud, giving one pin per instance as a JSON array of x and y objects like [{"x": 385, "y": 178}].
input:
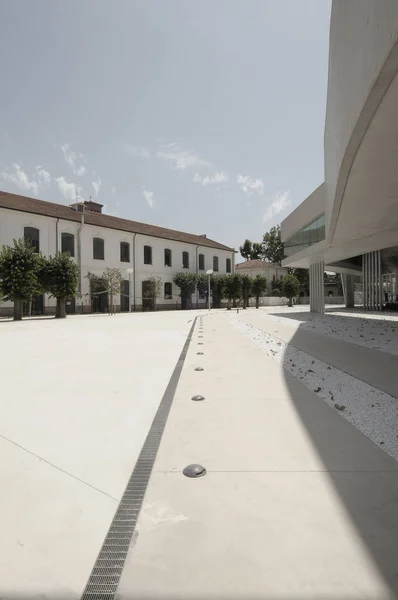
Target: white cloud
[
  {"x": 181, "y": 159},
  {"x": 18, "y": 177},
  {"x": 137, "y": 151},
  {"x": 149, "y": 197},
  {"x": 219, "y": 177},
  {"x": 69, "y": 190},
  {"x": 97, "y": 186},
  {"x": 72, "y": 157},
  {"x": 43, "y": 176},
  {"x": 250, "y": 186},
  {"x": 276, "y": 205}
]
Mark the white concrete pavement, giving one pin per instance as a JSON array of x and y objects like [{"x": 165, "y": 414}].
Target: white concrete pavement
[
  {"x": 77, "y": 399},
  {"x": 296, "y": 502}
]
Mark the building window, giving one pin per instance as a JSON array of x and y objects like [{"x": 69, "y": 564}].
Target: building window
[
  {"x": 124, "y": 252},
  {"x": 68, "y": 243},
  {"x": 185, "y": 260},
  {"x": 168, "y": 291},
  {"x": 201, "y": 262},
  {"x": 228, "y": 267},
  {"x": 215, "y": 263},
  {"x": 98, "y": 249},
  {"x": 313, "y": 233},
  {"x": 147, "y": 255},
  {"x": 167, "y": 257},
  {"x": 32, "y": 235}
]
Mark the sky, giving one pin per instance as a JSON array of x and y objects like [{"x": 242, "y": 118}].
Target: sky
[{"x": 206, "y": 117}]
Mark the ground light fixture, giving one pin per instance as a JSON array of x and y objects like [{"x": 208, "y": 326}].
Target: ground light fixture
[
  {"x": 194, "y": 471},
  {"x": 199, "y": 369},
  {"x": 130, "y": 271},
  {"x": 209, "y": 273},
  {"x": 197, "y": 398}
]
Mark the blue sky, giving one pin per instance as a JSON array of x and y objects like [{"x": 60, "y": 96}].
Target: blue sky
[{"x": 206, "y": 116}]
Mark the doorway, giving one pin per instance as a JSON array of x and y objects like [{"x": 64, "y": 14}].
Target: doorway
[
  {"x": 125, "y": 296},
  {"x": 147, "y": 300}
]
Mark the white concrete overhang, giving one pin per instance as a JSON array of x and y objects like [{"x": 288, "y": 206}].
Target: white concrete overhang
[{"x": 365, "y": 207}]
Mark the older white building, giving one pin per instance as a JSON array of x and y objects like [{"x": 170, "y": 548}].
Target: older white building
[
  {"x": 263, "y": 268},
  {"x": 97, "y": 241}
]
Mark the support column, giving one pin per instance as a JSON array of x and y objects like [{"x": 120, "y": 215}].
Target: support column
[
  {"x": 317, "y": 288},
  {"x": 348, "y": 290},
  {"x": 372, "y": 281}
]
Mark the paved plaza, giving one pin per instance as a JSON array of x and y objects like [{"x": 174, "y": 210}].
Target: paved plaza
[{"x": 296, "y": 503}]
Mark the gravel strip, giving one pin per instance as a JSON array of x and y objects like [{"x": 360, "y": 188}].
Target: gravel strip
[
  {"x": 376, "y": 331},
  {"x": 370, "y": 410}
]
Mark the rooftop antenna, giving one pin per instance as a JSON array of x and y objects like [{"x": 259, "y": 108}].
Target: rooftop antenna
[{"x": 77, "y": 198}]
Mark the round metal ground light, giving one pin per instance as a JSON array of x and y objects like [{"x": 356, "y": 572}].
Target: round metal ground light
[
  {"x": 194, "y": 471},
  {"x": 199, "y": 369},
  {"x": 197, "y": 398}
]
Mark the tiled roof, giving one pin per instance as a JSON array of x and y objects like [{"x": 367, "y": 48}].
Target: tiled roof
[
  {"x": 50, "y": 209},
  {"x": 257, "y": 264}
]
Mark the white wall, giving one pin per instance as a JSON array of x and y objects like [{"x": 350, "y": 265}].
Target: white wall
[
  {"x": 12, "y": 225},
  {"x": 362, "y": 35},
  {"x": 268, "y": 272},
  {"x": 312, "y": 208}
]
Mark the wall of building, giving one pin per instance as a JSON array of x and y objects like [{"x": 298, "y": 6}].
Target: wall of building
[
  {"x": 269, "y": 273},
  {"x": 307, "y": 211},
  {"x": 362, "y": 35},
  {"x": 12, "y": 225}
]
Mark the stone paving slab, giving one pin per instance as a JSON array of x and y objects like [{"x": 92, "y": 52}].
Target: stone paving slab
[{"x": 296, "y": 502}]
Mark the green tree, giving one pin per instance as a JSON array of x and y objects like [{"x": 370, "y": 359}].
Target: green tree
[
  {"x": 247, "y": 284},
  {"x": 59, "y": 275},
  {"x": 273, "y": 250},
  {"x": 19, "y": 274},
  {"x": 251, "y": 250},
  {"x": 232, "y": 288},
  {"x": 113, "y": 279},
  {"x": 155, "y": 289},
  {"x": 187, "y": 283},
  {"x": 290, "y": 287},
  {"x": 260, "y": 286},
  {"x": 303, "y": 275}
]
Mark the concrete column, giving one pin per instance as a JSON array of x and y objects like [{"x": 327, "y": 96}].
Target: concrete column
[
  {"x": 348, "y": 290},
  {"x": 317, "y": 288},
  {"x": 372, "y": 281}
]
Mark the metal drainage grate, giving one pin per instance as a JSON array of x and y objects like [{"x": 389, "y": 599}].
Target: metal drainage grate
[{"x": 105, "y": 576}]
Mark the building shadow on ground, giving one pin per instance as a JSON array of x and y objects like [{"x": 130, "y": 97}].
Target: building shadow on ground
[{"x": 362, "y": 474}]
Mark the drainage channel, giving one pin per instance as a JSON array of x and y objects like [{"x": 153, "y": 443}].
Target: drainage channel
[{"x": 107, "y": 571}]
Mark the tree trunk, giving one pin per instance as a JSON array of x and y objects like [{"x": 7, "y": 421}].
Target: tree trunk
[
  {"x": 290, "y": 302},
  {"x": 60, "y": 311},
  {"x": 17, "y": 309},
  {"x": 229, "y": 304},
  {"x": 257, "y": 301}
]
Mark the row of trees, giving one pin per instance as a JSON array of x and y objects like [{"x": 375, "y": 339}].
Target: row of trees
[
  {"x": 25, "y": 273},
  {"x": 234, "y": 288}
]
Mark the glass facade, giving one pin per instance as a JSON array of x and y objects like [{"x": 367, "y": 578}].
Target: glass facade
[{"x": 307, "y": 236}]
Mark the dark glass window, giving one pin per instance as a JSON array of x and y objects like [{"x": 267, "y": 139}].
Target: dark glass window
[
  {"x": 201, "y": 262},
  {"x": 98, "y": 249},
  {"x": 185, "y": 260},
  {"x": 124, "y": 252},
  {"x": 167, "y": 257},
  {"x": 168, "y": 291},
  {"x": 32, "y": 235},
  {"x": 68, "y": 243},
  {"x": 215, "y": 263},
  {"x": 228, "y": 267},
  {"x": 147, "y": 255}
]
